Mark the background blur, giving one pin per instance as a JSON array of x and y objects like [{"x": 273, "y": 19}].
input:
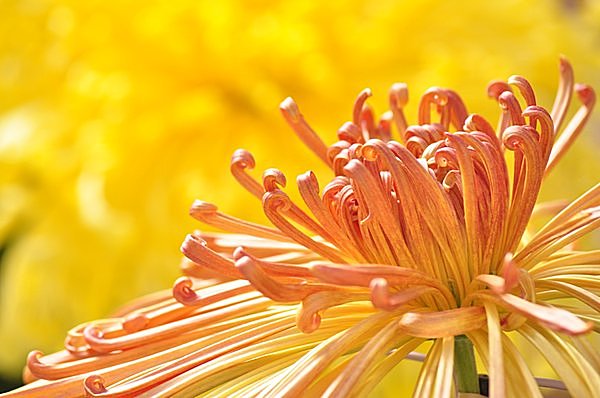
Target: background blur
[{"x": 114, "y": 116}]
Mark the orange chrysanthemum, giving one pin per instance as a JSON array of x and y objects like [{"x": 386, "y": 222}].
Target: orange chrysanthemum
[{"x": 412, "y": 240}]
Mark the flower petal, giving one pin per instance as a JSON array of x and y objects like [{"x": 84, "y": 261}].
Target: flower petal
[{"x": 433, "y": 325}]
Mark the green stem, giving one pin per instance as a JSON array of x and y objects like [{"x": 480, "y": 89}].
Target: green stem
[{"x": 465, "y": 369}]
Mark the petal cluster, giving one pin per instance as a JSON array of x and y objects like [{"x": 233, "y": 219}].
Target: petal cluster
[{"x": 417, "y": 241}]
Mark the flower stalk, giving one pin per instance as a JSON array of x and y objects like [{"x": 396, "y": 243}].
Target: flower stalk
[{"x": 465, "y": 369}]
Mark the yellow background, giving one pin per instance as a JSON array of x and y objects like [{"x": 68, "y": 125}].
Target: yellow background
[{"x": 115, "y": 115}]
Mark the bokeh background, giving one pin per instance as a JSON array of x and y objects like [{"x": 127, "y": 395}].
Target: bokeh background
[{"x": 115, "y": 115}]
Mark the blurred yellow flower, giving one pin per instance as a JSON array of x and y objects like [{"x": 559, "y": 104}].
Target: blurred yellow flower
[{"x": 114, "y": 117}]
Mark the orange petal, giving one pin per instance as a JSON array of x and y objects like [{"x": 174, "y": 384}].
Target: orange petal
[{"x": 433, "y": 325}]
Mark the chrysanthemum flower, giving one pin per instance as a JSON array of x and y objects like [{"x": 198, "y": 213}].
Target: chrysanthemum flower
[
  {"x": 415, "y": 240},
  {"x": 84, "y": 87}
]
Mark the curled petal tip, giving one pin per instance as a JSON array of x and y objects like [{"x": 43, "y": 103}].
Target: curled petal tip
[
  {"x": 94, "y": 384},
  {"x": 438, "y": 95},
  {"x": 33, "y": 359},
  {"x": 243, "y": 159},
  {"x": 351, "y": 165},
  {"x": 516, "y": 137},
  {"x": 308, "y": 322},
  {"x": 446, "y": 157},
  {"x": 277, "y": 200},
  {"x": 385, "y": 119},
  {"x": 514, "y": 78},
  {"x": 364, "y": 94},
  {"x": 504, "y": 98},
  {"x": 191, "y": 243},
  {"x": 380, "y": 294},
  {"x": 202, "y": 207},
  {"x": 496, "y": 88},
  {"x": 399, "y": 94},
  {"x": 564, "y": 63},
  {"x": 244, "y": 262},
  {"x": 92, "y": 332},
  {"x": 239, "y": 252},
  {"x": 452, "y": 179},
  {"x": 349, "y": 132},
  {"x": 182, "y": 290},
  {"x": 290, "y": 109},
  {"x": 273, "y": 179},
  {"x": 370, "y": 151},
  {"x": 586, "y": 94},
  {"x": 135, "y": 322},
  {"x": 359, "y": 104},
  {"x": 310, "y": 178}
]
